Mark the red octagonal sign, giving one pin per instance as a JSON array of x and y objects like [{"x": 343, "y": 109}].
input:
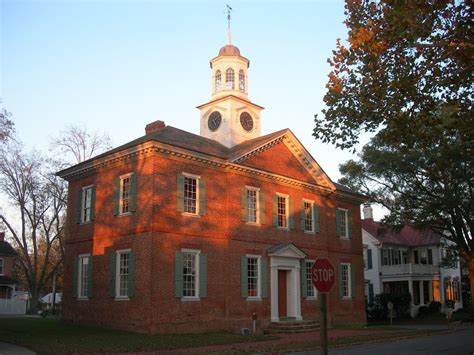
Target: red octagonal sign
[{"x": 323, "y": 275}]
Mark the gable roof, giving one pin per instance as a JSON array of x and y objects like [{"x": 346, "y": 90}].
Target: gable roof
[
  {"x": 6, "y": 249},
  {"x": 407, "y": 236},
  {"x": 194, "y": 143}
]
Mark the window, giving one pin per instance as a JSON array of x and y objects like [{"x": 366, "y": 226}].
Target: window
[
  {"x": 423, "y": 255},
  {"x": 308, "y": 216},
  {"x": 396, "y": 257},
  {"x": 456, "y": 290},
  {"x": 253, "y": 276},
  {"x": 229, "y": 79},
  {"x": 405, "y": 256},
  {"x": 342, "y": 223},
  {"x": 310, "y": 290},
  {"x": 125, "y": 194},
  {"x": 252, "y": 205},
  {"x": 191, "y": 195},
  {"x": 86, "y": 204},
  {"x": 1, "y": 266},
  {"x": 218, "y": 81},
  {"x": 241, "y": 81},
  {"x": 123, "y": 274},
  {"x": 125, "y": 183},
  {"x": 83, "y": 276},
  {"x": 366, "y": 261},
  {"x": 345, "y": 280},
  {"x": 282, "y": 211},
  {"x": 385, "y": 259},
  {"x": 191, "y": 274},
  {"x": 426, "y": 292}
]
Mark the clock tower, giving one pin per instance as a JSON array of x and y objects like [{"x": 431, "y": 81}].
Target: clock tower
[{"x": 230, "y": 117}]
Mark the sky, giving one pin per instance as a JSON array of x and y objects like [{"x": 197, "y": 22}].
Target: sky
[{"x": 116, "y": 65}]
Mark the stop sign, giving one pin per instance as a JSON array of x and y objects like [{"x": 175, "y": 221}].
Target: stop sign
[{"x": 323, "y": 275}]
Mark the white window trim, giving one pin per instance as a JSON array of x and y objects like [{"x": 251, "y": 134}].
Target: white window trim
[
  {"x": 313, "y": 230},
  {"x": 257, "y": 206},
  {"x": 365, "y": 256},
  {"x": 287, "y": 203},
  {"x": 346, "y": 222},
  {"x": 2, "y": 263},
  {"x": 315, "y": 297},
  {"x": 259, "y": 277},
  {"x": 197, "y": 256},
  {"x": 121, "y": 178},
  {"x": 349, "y": 281},
  {"x": 198, "y": 197},
  {"x": 117, "y": 274},
  {"x": 82, "y": 204},
  {"x": 79, "y": 271}
]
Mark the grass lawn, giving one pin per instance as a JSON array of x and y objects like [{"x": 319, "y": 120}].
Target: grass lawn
[{"x": 50, "y": 335}]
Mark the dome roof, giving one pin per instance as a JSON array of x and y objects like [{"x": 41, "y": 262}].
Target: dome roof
[{"x": 229, "y": 50}]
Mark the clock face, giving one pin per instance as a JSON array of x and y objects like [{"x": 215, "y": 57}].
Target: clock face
[
  {"x": 214, "y": 121},
  {"x": 246, "y": 121}
]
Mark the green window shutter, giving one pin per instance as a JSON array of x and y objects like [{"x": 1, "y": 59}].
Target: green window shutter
[
  {"x": 244, "y": 292},
  {"x": 261, "y": 206},
  {"x": 243, "y": 204},
  {"x": 203, "y": 275},
  {"x": 131, "y": 274},
  {"x": 415, "y": 256},
  {"x": 353, "y": 284},
  {"x": 369, "y": 259},
  {"x": 341, "y": 288},
  {"x": 180, "y": 193},
  {"x": 133, "y": 192},
  {"x": 430, "y": 257},
  {"x": 113, "y": 263},
  {"x": 338, "y": 223},
  {"x": 290, "y": 213},
  {"x": 303, "y": 280},
  {"x": 90, "y": 276},
  {"x": 178, "y": 276},
  {"x": 317, "y": 228},
  {"x": 202, "y": 197},
  {"x": 302, "y": 224},
  {"x": 79, "y": 206},
  {"x": 263, "y": 277},
  {"x": 116, "y": 196},
  {"x": 349, "y": 224},
  {"x": 92, "y": 202},
  {"x": 75, "y": 272},
  {"x": 275, "y": 210}
]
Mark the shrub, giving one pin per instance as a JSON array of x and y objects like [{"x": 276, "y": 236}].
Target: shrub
[
  {"x": 379, "y": 309},
  {"x": 434, "y": 307}
]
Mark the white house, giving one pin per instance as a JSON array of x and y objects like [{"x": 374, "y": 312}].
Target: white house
[{"x": 408, "y": 260}]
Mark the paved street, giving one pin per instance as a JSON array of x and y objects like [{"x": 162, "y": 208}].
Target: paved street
[{"x": 460, "y": 342}]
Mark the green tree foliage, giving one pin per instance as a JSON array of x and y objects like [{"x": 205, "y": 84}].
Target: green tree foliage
[{"x": 406, "y": 76}]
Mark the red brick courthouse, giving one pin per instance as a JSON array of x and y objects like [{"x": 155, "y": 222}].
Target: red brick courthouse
[{"x": 177, "y": 232}]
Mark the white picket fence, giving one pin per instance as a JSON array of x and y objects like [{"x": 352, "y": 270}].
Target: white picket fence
[{"x": 11, "y": 306}]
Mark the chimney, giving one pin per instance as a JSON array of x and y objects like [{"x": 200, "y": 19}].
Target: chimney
[
  {"x": 154, "y": 127},
  {"x": 368, "y": 214},
  {"x": 2, "y": 236}
]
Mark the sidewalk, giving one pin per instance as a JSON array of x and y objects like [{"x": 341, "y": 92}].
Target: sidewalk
[{"x": 10, "y": 349}]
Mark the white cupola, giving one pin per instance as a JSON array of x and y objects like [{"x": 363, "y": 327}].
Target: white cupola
[{"x": 230, "y": 118}]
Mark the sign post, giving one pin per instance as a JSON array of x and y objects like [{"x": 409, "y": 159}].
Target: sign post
[{"x": 323, "y": 275}]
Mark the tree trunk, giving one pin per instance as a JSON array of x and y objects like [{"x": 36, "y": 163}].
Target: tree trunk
[{"x": 33, "y": 303}]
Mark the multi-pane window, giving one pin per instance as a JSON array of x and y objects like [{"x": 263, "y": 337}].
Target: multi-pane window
[
  {"x": 343, "y": 223},
  {"x": 346, "y": 280},
  {"x": 229, "y": 79},
  {"x": 252, "y": 207},
  {"x": 218, "y": 80},
  {"x": 282, "y": 202},
  {"x": 310, "y": 290},
  {"x": 308, "y": 216},
  {"x": 423, "y": 255},
  {"x": 366, "y": 257},
  {"x": 190, "y": 274},
  {"x": 1, "y": 266},
  {"x": 125, "y": 184},
  {"x": 83, "y": 270},
  {"x": 190, "y": 195},
  {"x": 123, "y": 274},
  {"x": 241, "y": 81},
  {"x": 86, "y": 204},
  {"x": 252, "y": 277}
]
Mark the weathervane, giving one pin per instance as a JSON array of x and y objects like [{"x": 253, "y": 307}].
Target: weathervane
[{"x": 229, "y": 10}]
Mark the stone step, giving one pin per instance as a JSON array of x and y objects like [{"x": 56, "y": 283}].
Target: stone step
[{"x": 292, "y": 327}]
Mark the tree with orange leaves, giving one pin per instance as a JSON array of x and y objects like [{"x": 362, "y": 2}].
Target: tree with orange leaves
[{"x": 405, "y": 75}]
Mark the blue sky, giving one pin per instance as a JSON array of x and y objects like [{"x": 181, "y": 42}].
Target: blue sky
[{"x": 118, "y": 65}]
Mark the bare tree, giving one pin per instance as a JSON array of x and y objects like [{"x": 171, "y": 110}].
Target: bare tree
[
  {"x": 38, "y": 199},
  {"x": 78, "y": 142},
  {"x": 6, "y": 125}
]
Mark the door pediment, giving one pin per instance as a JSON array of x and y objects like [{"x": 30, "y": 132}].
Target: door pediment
[{"x": 286, "y": 250}]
